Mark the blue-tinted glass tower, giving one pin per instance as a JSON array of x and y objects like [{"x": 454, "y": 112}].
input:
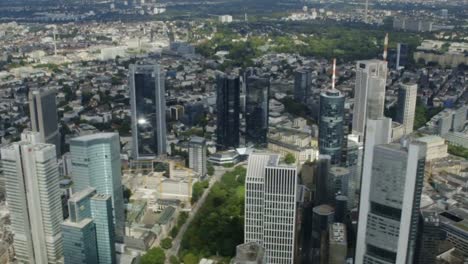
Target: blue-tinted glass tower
[
  {"x": 101, "y": 209},
  {"x": 227, "y": 107}
]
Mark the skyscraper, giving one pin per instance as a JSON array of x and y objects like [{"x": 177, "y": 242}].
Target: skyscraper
[
  {"x": 148, "y": 108},
  {"x": 397, "y": 176},
  {"x": 270, "y": 207},
  {"x": 338, "y": 246},
  {"x": 302, "y": 85},
  {"x": 44, "y": 118},
  {"x": 407, "y": 106},
  {"x": 33, "y": 195},
  {"x": 96, "y": 163},
  {"x": 369, "y": 93},
  {"x": 331, "y": 125},
  {"x": 197, "y": 155},
  {"x": 402, "y": 55},
  {"x": 256, "y": 114},
  {"x": 322, "y": 217},
  {"x": 228, "y": 108},
  {"x": 101, "y": 210}
]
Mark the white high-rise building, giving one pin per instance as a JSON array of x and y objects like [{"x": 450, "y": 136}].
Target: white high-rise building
[
  {"x": 33, "y": 196},
  {"x": 270, "y": 207},
  {"x": 369, "y": 93},
  {"x": 407, "y": 106},
  {"x": 389, "y": 210},
  {"x": 96, "y": 163},
  {"x": 197, "y": 155}
]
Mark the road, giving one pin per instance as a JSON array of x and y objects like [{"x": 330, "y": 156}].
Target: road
[{"x": 219, "y": 171}]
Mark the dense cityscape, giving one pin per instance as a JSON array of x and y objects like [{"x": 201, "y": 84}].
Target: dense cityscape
[{"x": 234, "y": 132}]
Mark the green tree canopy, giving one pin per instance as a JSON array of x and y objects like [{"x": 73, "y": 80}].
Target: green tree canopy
[
  {"x": 289, "y": 159},
  {"x": 166, "y": 243},
  {"x": 154, "y": 256}
]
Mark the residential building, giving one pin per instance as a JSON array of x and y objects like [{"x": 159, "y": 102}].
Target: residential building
[
  {"x": 270, "y": 212},
  {"x": 197, "y": 155},
  {"x": 369, "y": 93},
  {"x": 32, "y": 192},
  {"x": 256, "y": 110},
  {"x": 44, "y": 117},
  {"x": 148, "y": 110},
  {"x": 228, "y": 108},
  {"x": 331, "y": 125},
  {"x": 396, "y": 181},
  {"x": 96, "y": 163},
  {"x": 407, "y": 96}
]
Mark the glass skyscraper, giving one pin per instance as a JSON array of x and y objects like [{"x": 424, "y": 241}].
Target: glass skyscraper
[
  {"x": 331, "y": 125},
  {"x": 256, "y": 114},
  {"x": 148, "y": 109},
  {"x": 79, "y": 242},
  {"x": 96, "y": 163},
  {"x": 302, "y": 85},
  {"x": 227, "y": 107},
  {"x": 101, "y": 209},
  {"x": 33, "y": 196}
]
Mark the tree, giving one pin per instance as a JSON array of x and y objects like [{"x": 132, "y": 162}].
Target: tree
[
  {"x": 154, "y": 256},
  {"x": 190, "y": 258},
  {"x": 210, "y": 169},
  {"x": 174, "y": 260},
  {"x": 289, "y": 159},
  {"x": 197, "y": 191},
  {"x": 166, "y": 243}
]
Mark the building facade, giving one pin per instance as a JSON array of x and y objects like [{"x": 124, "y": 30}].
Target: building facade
[
  {"x": 44, "y": 117},
  {"x": 96, "y": 163},
  {"x": 407, "y": 96},
  {"x": 148, "y": 109},
  {"x": 302, "y": 85},
  {"x": 197, "y": 155},
  {"x": 257, "y": 109},
  {"x": 270, "y": 211},
  {"x": 228, "y": 108},
  {"x": 33, "y": 196},
  {"x": 369, "y": 93},
  {"x": 331, "y": 125},
  {"x": 101, "y": 210},
  {"x": 79, "y": 242}
]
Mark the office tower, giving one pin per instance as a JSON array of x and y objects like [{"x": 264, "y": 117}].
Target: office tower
[
  {"x": 227, "y": 107},
  {"x": 256, "y": 114},
  {"x": 79, "y": 242},
  {"x": 79, "y": 204},
  {"x": 331, "y": 125},
  {"x": 396, "y": 180},
  {"x": 249, "y": 253},
  {"x": 321, "y": 179},
  {"x": 96, "y": 163},
  {"x": 407, "y": 106},
  {"x": 322, "y": 217},
  {"x": 270, "y": 211},
  {"x": 197, "y": 155},
  {"x": 459, "y": 119},
  {"x": 431, "y": 237},
  {"x": 402, "y": 55},
  {"x": 444, "y": 124},
  {"x": 101, "y": 210},
  {"x": 369, "y": 93},
  {"x": 44, "y": 118},
  {"x": 33, "y": 196},
  {"x": 148, "y": 109},
  {"x": 302, "y": 85},
  {"x": 341, "y": 207},
  {"x": 455, "y": 223},
  {"x": 338, "y": 244},
  {"x": 377, "y": 132},
  {"x": 338, "y": 179}
]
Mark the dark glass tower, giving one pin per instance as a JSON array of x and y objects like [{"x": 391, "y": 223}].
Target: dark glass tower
[
  {"x": 256, "y": 114},
  {"x": 331, "y": 125},
  {"x": 302, "y": 85},
  {"x": 228, "y": 107},
  {"x": 148, "y": 107}
]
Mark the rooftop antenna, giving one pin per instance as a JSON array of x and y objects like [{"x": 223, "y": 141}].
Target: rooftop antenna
[
  {"x": 385, "y": 47},
  {"x": 367, "y": 9},
  {"x": 334, "y": 74}
]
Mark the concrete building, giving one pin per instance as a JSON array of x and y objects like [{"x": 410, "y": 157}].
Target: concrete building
[
  {"x": 390, "y": 234},
  {"x": 270, "y": 212},
  {"x": 338, "y": 244},
  {"x": 249, "y": 253},
  {"x": 148, "y": 110},
  {"x": 369, "y": 93},
  {"x": 407, "y": 96},
  {"x": 33, "y": 196},
  {"x": 436, "y": 148},
  {"x": 96, "y": 163},
  {"x": 197, "y": 155},
  {"x": 44, "y": 117},
  {"x": 332, "y": 125},
  {"x": 227, "y": 109}
]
